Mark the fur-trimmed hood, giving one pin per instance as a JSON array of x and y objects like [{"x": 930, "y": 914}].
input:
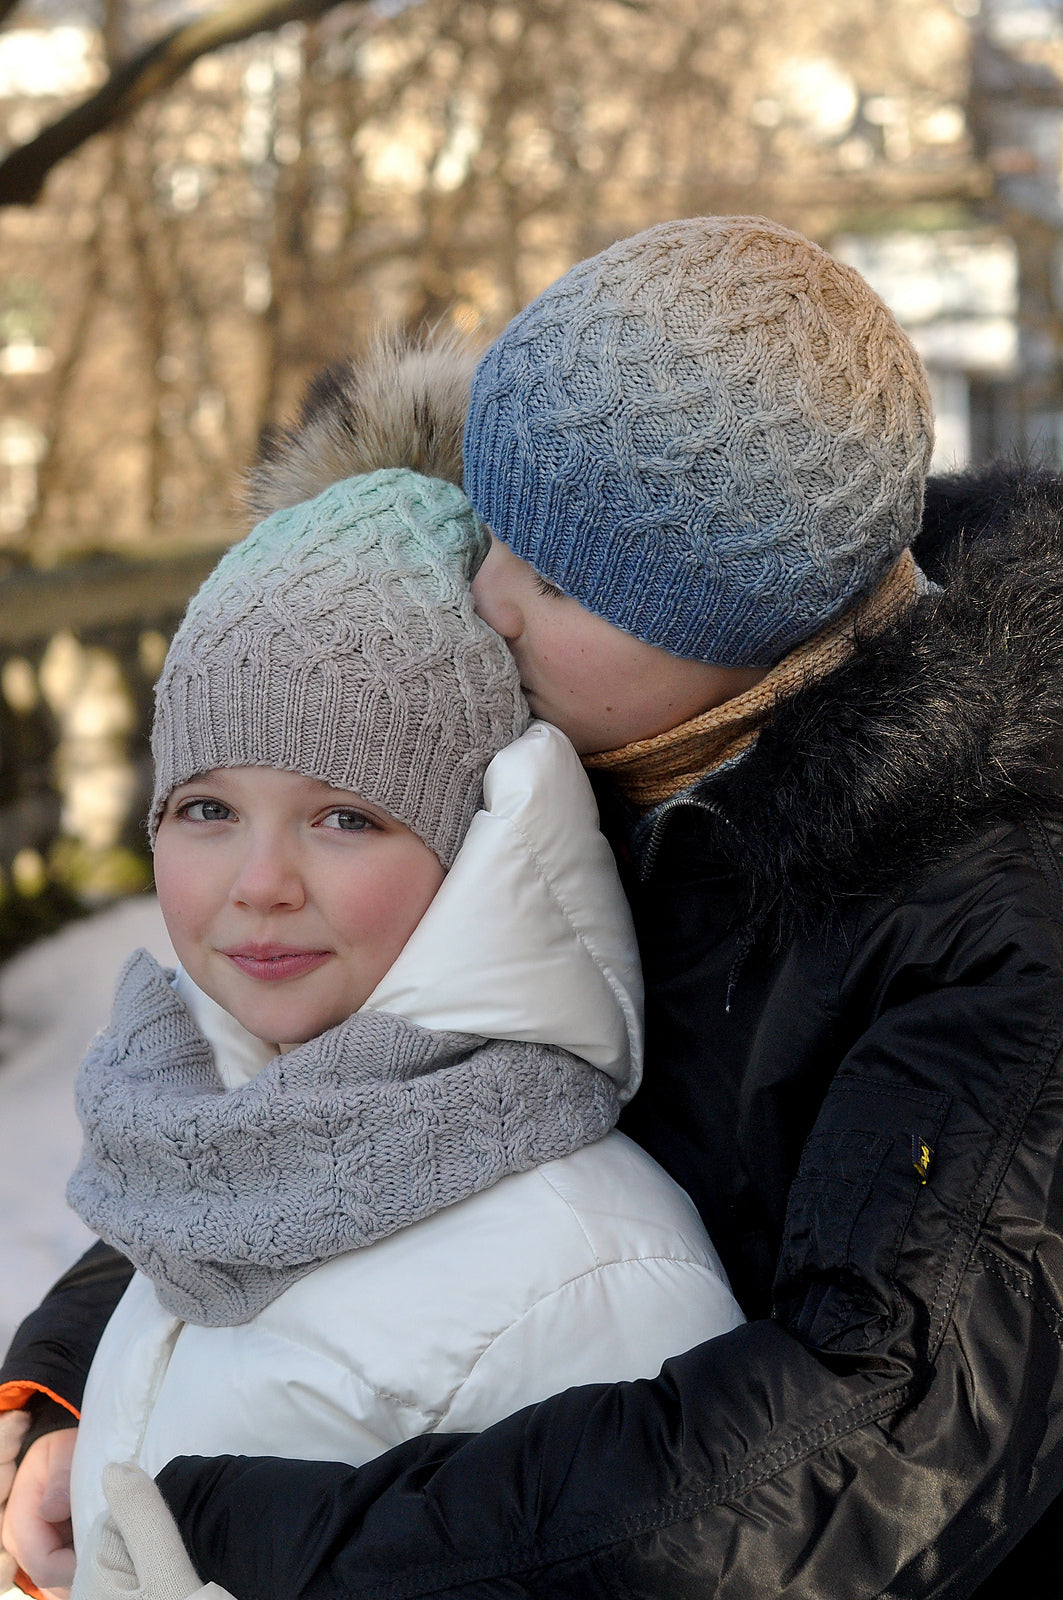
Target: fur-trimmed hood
[{"x": 945, "y": 722}]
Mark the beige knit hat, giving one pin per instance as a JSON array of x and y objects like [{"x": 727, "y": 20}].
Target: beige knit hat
[{"x": 339, "y": 640}]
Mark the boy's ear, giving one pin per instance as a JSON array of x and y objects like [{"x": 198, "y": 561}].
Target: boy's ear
[{"x": 401, "y": 405}]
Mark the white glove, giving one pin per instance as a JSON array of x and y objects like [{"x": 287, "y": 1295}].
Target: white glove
[
  {"x": 13, "y": 1425},
  {"x": 136, "y": 1552}
]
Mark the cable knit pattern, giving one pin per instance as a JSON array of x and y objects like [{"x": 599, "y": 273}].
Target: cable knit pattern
[
  {"x": 712, "y": 434},
  {"x": 339, "y": 640},
  {"x": 226, "y": 1197}
]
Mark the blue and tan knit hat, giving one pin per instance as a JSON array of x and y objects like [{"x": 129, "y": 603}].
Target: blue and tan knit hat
[
  {"x": 712, "y": 434},
  {"x": 339, "y": 640}
]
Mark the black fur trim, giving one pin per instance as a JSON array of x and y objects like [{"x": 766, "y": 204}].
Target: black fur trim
[
  {"x": 948, "y": 720},
  {"x": 965, "y": 506}
]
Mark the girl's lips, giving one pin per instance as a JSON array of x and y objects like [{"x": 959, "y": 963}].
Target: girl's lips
[{"x": 273, "y": 965}]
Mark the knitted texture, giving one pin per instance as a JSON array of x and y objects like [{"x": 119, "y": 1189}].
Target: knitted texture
[
  {"x": 712, "y": 434},
  {"x": 339, "y": 640},
  {"x": 226, "y": 1198}
]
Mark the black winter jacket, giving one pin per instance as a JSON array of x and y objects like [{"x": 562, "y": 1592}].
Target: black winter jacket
[{"x": 853, "y": 944}]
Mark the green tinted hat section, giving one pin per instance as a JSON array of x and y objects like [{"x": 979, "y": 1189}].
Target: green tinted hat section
[{"x": 339, "y": 640}]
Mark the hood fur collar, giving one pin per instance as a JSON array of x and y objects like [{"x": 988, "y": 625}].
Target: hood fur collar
[{"x": 946, "y": 721}]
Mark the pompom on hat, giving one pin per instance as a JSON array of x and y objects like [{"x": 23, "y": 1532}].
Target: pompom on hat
[
  {"x": 712, "y": 434},
  {"x": 339, "y": 640}
]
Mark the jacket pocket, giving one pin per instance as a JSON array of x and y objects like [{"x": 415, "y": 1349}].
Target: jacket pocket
[{"x": 866, "y": 1162}]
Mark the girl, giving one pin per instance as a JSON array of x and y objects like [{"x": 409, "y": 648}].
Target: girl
[{"x": 358, "y": 1146}]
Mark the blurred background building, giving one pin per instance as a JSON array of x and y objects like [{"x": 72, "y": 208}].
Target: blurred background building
[{"x": 167, "y": 287}]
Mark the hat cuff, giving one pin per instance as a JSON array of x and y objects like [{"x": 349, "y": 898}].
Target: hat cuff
[
  {"x": 206, "y": 722},
  {"x": 635, "y": 577}
]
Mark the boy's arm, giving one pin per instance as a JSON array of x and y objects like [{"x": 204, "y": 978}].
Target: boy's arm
[
  {"x": 748, "y": 1468},
  {"x": 42, "y": 1381},
  {"x": 45, "y": 1369},
  {"x": 895, "y": 1430}
]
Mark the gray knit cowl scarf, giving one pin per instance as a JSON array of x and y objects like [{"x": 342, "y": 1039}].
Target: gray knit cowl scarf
[{"x": 225, "y": 1198}]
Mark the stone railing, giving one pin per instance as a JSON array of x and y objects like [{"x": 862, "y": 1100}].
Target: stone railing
[{"x": 80, "y": 648}]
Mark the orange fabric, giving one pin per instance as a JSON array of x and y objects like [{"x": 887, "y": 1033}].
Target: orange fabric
[{"x": 13, "y": 1397}]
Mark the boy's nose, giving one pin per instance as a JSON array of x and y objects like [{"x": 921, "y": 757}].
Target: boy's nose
[{"x": 492, "y": 596}]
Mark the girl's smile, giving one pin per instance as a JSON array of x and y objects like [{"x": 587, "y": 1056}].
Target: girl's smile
[{"x": 275, "y": 963}]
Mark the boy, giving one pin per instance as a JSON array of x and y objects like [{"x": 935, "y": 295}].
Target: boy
[{"x": 846, "y": 884}]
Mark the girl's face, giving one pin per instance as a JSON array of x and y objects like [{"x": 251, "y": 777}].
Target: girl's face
[
  {"x": 602, "y": 687},
  {"x": 287, "y": 900}
]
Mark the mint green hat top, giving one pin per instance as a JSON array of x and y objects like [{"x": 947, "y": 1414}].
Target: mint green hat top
[{"x": 339, "y": 640}]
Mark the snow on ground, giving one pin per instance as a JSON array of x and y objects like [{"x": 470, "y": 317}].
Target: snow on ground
[{"x": 53, "y": 998}]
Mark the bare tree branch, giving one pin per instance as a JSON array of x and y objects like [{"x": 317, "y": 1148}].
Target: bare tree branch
[{"x": 157, "y": 67}]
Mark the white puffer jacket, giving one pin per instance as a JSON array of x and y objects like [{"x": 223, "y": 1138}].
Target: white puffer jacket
[{"x": 592, "y": 1268}]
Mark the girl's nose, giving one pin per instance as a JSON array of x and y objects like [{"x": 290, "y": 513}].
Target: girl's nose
[
  {"x": 492, "y": 592},
  {"x": 268, "y": 879}
]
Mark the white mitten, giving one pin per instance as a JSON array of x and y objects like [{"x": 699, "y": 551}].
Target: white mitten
[
  {"x": 136, "y": 1552},
  {"x": 13, "y": 1425}
]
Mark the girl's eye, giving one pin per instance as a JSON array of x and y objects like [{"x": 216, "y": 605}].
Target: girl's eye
[
  {"x": 550, "y": 590},
  {"x": 205, "y": 811},
  {"x": 347, "y": 820}
]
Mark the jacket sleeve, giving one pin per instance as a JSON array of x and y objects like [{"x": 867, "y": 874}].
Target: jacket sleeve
[
  {"x": 45, "y": 1369},
  {"x": 900, "y": 1421},
  {"x": 639, "y": 1309}
]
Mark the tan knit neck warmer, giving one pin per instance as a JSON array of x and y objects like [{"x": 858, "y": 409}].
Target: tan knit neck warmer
[{"x": 652, "y": 770}]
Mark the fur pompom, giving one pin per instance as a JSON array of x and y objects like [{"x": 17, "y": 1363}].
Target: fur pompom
[{"x": 401, "y": 405}]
